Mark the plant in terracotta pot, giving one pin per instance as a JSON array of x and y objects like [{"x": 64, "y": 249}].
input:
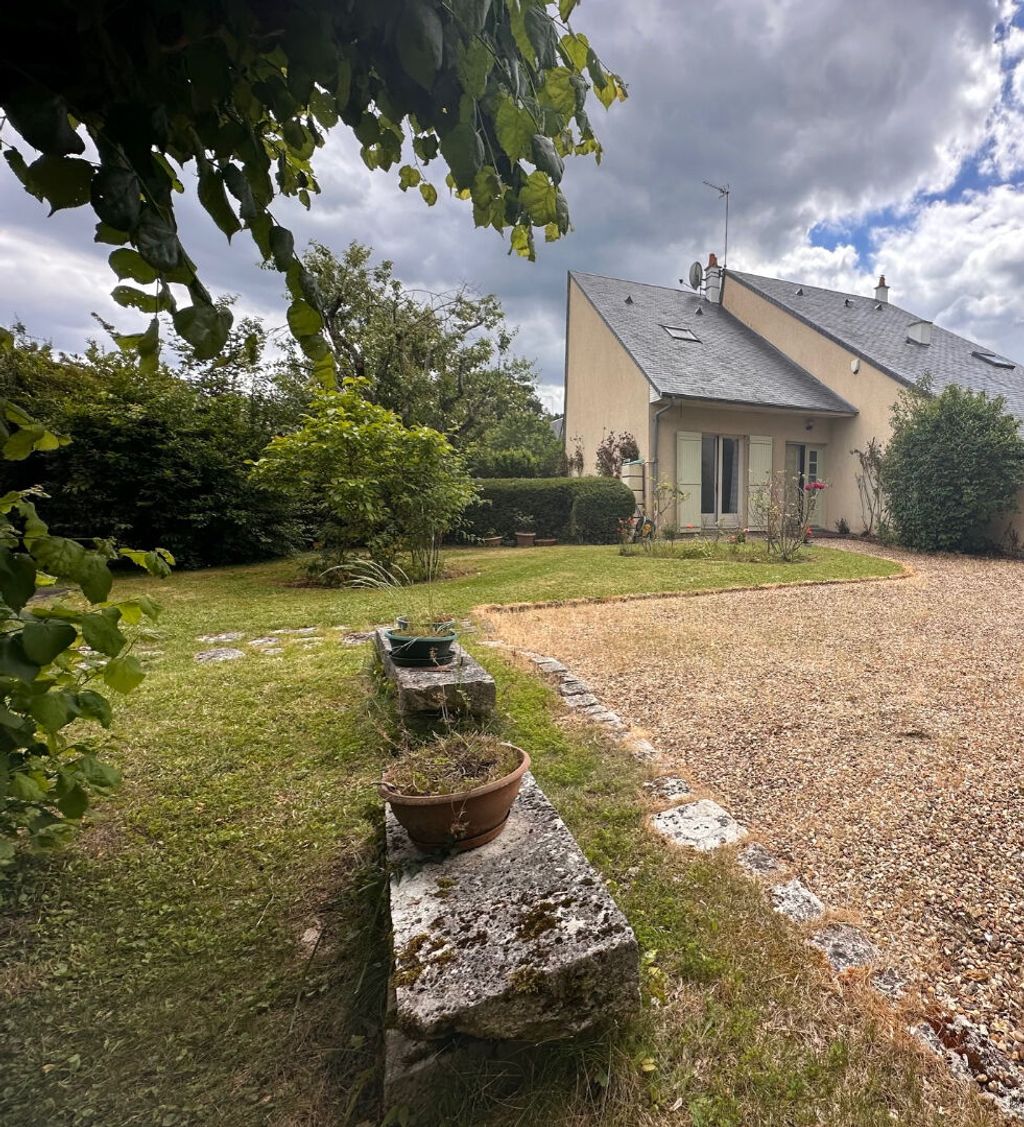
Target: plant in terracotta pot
[
  {"x": 455, "y": 791},
  {"x": 491, "y": 540},
  {"x": 525, "y": 533}
]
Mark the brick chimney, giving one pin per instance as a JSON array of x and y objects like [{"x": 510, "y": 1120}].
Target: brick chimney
[
  {"x": 713, "y": 280},
  {"x": 881, "y": 290}
]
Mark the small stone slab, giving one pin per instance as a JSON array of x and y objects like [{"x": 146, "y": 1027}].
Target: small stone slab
[
  {"x": 757, "y": 860},
  {"x": 221, "y": 653},
  {"x": 549, "y": 665},
  {"x": 582, "y": 700},
  {"x": 518, "y": 940},
  {"x": 795, "y": 900},
  {"x": 667, "y": 788},
  {"x": 573, "y": 686},
  {"x": 701, "y": 825},
  {"x": 230, "y": 636},
  {"x": 266, "y": 640},
  {"x": 463, "y": 687},
  {"x": 844, "y": 946},
  {"x": 643, "y": 750},
  {"x": 296, "y": 630}
]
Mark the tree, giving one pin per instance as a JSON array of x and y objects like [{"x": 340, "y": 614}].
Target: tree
[
  {"x": 441, "y": 360},
  {"x": 381, "y": 485},
  {"x": 955, "y": 461},
  {"x": 237, "y": 97},
  {"x": 156, "y": 457}
]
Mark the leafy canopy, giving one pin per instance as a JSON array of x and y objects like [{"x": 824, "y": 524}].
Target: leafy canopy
[
  {"x": 127, "y": 104},
  {"x": 955, "y": 462}
]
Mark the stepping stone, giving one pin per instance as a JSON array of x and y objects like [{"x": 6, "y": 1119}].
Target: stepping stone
[
  {"x": 667, "y": 788},
  {"x": 518, "y": 940},
  {"x": 549, "y": 665},
  {"x": 611, "y": 720},
  {"x": 221, "y": 653},
  {"x": 357, "y": 637},
  {"x": 644, "y": 750},
  {"x": 266, "y": 640},
  {"x": 757, "y": 860},
  {"x": 230, "y": 636},
  {"x": 294, "y": 630},
  {"x": 701, "y": 825},
  {"x": 844, "y": 946},
  {"x": 795, "y": 900},
  {"x": 573, "y": 686}
]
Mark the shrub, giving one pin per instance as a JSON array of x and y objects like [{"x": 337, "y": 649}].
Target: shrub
[
  {"x": 613, "y": 450},
  {"x": 584, "y": 509},
  {"x": 381, "y": 485},
  {"x": 954, "y": 462}
]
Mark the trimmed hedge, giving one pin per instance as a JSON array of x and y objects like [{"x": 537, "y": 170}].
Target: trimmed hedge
[{"x": 586, "y": 510}]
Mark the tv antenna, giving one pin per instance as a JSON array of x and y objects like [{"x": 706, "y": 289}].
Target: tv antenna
[{"x": 723, "y": 193}]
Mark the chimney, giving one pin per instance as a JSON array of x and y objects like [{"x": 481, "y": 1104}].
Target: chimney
[
  {"x": 920, "y": 332},
  {"x": 881, "y": 290},
  {"x": 713, "y": 280}
]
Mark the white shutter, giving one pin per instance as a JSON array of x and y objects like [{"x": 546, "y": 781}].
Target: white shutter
[
  {"x": 688, "y": 478},
  {"x": 759, "y": 472}
]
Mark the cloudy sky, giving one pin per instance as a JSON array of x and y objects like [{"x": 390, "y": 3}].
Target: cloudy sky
[{"x": 857, "y": 139}]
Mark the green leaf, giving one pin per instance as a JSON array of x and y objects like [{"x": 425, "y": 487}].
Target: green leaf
[
  {"x": 464, "y": 152},
  {"x": 128, "y": 263},
  {"x": 303, "y": 319},
  {"x": 17, "y": 578},
  {"x": 538, "y": 199},
  {"x": 282, "y": 247},
  {"x": 577, "y": 48},
  {"x": 429, "y": 193},
  {"x": 100, "y": 631},
  {"x": 74, "y": 802},
  {"x": 16, "y": 163},
  {"x": 157, "y": 242},
  {"x": 23, "y": 442},
  {"x": 93, "y": 576},
  {"x": 53, "y": 710},
  {"x": 25, "y": 788},
  {"x": 103, "y": 776},
  {"x": 130, "y": 297},
  {"x": 474, "y": 65},
  {"x": 43, "y": 121},
  {"x": 558, "y": 91},
  {"x": 14, "y": 662},
  {"x": 43, "y": 641},
  {"x": 323, "y": 107},
  {"x": 214, "y": 199},
  {"x": 109, "y": 235},
  {"x": 565, "y": 8},
  {"x": 117, "y": 197},
  {"x": 123, "y": 673},
  {"x": 541, "y": 31},
  {"x": 61, "y": 181},
  {"x": 408, "y": 177},
  {"x": 545, "y": 157},
  {"x": 205, "y": 327},
  {"x": 514, "y": 127},
  {"x": 94, "y": 706},
  {"x": 238, "y": 185},
  {"x": 522, "y": 241},
  {"x": 420, "y": 42}
]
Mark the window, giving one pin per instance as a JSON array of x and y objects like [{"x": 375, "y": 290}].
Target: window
[
  {"x": 994, "y": 360},
  {"x": 681, "y": 334},
  {"x": 720, "y": 477}
]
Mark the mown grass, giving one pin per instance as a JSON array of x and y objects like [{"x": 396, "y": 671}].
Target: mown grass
[{"x": 213, "y": 948}]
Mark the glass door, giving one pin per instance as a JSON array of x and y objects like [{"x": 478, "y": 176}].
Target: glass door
[
  {"x": 720, "y": 480},
  {"x": 804, "y": 466}
]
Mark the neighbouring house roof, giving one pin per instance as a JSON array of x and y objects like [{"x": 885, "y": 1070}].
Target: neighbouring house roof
[
  {"x": 727, "y": 362},
  {"x": 558, "y": 426},
  {"x": 877, "y": 333}
]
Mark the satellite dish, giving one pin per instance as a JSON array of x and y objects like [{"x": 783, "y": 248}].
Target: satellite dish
[{"x": 696, "y": 275}]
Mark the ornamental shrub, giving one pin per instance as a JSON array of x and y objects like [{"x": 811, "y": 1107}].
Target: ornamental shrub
[
  {"x": 955, "y": 462},
  {"x": 586, "y": 510}
]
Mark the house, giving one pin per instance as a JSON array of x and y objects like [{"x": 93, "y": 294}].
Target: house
[{"x": 753, "y": 376}]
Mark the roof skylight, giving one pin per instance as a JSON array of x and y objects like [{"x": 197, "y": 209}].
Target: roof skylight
[
  {"x": 994, "y": 360},
  {"x": 681, "y": 334}
]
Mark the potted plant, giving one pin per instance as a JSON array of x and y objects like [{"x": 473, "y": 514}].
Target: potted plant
[
  {"x": 525, "y": 534},
  {"x": 455, "y": 791},
  {"x": 491, "y": 540},
  {"x": 547, "y": 542}
]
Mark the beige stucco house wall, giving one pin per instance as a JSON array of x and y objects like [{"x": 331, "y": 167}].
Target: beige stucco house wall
[{"x": 604, "y": 388}]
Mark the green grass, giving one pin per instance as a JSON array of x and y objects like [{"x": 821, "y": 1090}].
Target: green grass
[{"x": 155, "y": 973}]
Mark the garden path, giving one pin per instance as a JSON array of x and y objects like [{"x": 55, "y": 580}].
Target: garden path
[{"x": 869, "y": 734}]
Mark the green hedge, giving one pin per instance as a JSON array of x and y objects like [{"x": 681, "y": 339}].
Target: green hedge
[{"x": 586, "y": 510}]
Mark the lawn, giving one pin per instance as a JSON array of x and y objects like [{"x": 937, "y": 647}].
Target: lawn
[{"x": 213, "y": 948}]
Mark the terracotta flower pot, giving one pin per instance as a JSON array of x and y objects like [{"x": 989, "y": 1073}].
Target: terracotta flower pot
[
  {"x": 525, "y": 539},
  {"x": 546, "y": 543},
  {"x": 458, "y": 821},
  {"x": 491, "y": 541}
]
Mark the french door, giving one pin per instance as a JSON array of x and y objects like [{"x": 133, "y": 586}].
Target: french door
[
  {"x": 805, "y": 465},
  {"x": 720, "y": 479}
]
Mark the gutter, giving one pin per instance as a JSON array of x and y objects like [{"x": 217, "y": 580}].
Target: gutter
[{"x": 674, "y": 402}]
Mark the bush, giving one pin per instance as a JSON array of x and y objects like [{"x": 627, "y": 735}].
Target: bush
[
  {"x": 954, "y": 462},
  {"x": 584, "y": 509}
]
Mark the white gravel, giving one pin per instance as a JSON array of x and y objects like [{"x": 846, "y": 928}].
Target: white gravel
[{"x": 869, "y": 734}]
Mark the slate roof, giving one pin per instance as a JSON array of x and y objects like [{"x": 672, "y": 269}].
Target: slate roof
[
  {"x": 728, "y": 362},
  {"x": 879, "y": 336}
]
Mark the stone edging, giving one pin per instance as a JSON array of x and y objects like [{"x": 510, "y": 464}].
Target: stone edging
[{"x": 700, "y": 823}]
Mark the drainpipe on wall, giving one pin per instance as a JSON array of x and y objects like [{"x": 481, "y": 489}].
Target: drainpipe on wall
[{"x": 654, "y": 449}]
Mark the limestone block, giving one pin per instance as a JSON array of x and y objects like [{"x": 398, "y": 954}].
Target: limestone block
[
  {"x": 517, "y": 940},
  {"x": 462, "y": 687},
  {"x": 844, "y": 946},
  {"x": 795, "y": 900}
]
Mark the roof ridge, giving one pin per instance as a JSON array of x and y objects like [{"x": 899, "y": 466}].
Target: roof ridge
[{"x": 631, "y": 282}]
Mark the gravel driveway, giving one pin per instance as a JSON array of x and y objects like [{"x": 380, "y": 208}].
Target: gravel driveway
[{"x": 869, "y": 733}]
